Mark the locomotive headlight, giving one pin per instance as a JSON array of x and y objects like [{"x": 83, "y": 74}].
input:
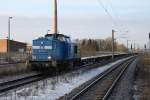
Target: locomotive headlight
[{"x": 49, "y": 57}]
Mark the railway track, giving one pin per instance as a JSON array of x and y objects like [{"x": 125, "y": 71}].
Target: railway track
[
  {"x": 12, "y": 84},
  {"x": 33, "y": 78},
  {"x": 103, "y": 85},
  {"x": 20, "y": 82}
]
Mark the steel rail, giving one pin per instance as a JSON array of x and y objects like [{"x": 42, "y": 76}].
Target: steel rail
[
  {"x": 6, "y": 86},
  {"x": 108, "y": 93}
]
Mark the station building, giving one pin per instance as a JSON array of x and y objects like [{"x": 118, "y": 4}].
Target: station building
[{"x": 14, "y": 46}]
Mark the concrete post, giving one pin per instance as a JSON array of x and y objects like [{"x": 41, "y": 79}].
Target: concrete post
[{"x": 55, "y": 18}]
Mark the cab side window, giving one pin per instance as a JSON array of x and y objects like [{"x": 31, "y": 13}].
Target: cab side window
[{"x": 75, "y": 49}]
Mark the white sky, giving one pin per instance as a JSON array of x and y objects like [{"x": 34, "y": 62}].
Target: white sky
[{"x": 77, "y": 18}]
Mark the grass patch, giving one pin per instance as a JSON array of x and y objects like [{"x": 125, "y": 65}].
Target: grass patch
[{"x": 144, "y": 76}]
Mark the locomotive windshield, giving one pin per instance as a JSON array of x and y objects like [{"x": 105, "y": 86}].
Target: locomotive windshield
[
  {"x": 49, "y": 36},
  {"x": 60, "y": 37}
]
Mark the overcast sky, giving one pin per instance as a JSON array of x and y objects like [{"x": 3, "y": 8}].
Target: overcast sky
[{"x": 77, "y": 18}]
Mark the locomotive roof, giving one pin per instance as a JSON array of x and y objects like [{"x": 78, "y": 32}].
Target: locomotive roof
[{"x": 57, "y": 35}]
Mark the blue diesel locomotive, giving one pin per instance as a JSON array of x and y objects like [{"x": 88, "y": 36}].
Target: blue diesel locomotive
[{"x": 54, "y": 50}]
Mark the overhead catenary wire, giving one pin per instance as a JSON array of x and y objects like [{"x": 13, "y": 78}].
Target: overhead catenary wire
[
  {"x": 117, "y": 16},
  {"x": 113, "y": 11},
  {"x": 116, "y": 24},
  {"x": 119, "y": 29},
  {"x": 107, "y": 12},
  {"x": 111, "y": 16}
]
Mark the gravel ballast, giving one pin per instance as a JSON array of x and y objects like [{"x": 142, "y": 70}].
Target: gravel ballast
[{"x": 124, "y": 89}]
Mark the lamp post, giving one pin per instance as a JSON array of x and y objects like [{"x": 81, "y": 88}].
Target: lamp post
[
  {"x": 8, "y": 44},
  {"x": 149, "y": 43}
]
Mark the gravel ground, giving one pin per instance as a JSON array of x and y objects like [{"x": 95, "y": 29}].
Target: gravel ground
[
  {"x": 12, "y": 69},
  {"x": 124, "y": 89}
]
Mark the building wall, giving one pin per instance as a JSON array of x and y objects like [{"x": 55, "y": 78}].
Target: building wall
[
  {"x": 14, "y": 46},
  {"x": 3, "y": 46},
  {"x": 17, "y": 46}
]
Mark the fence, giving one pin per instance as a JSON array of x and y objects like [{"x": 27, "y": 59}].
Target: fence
[
  {"x": 13, "y": 57},
  {"x": 86, "y": 54}
]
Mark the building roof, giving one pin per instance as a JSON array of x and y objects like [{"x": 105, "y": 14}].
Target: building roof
[{"x": 14, "y": 41}]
